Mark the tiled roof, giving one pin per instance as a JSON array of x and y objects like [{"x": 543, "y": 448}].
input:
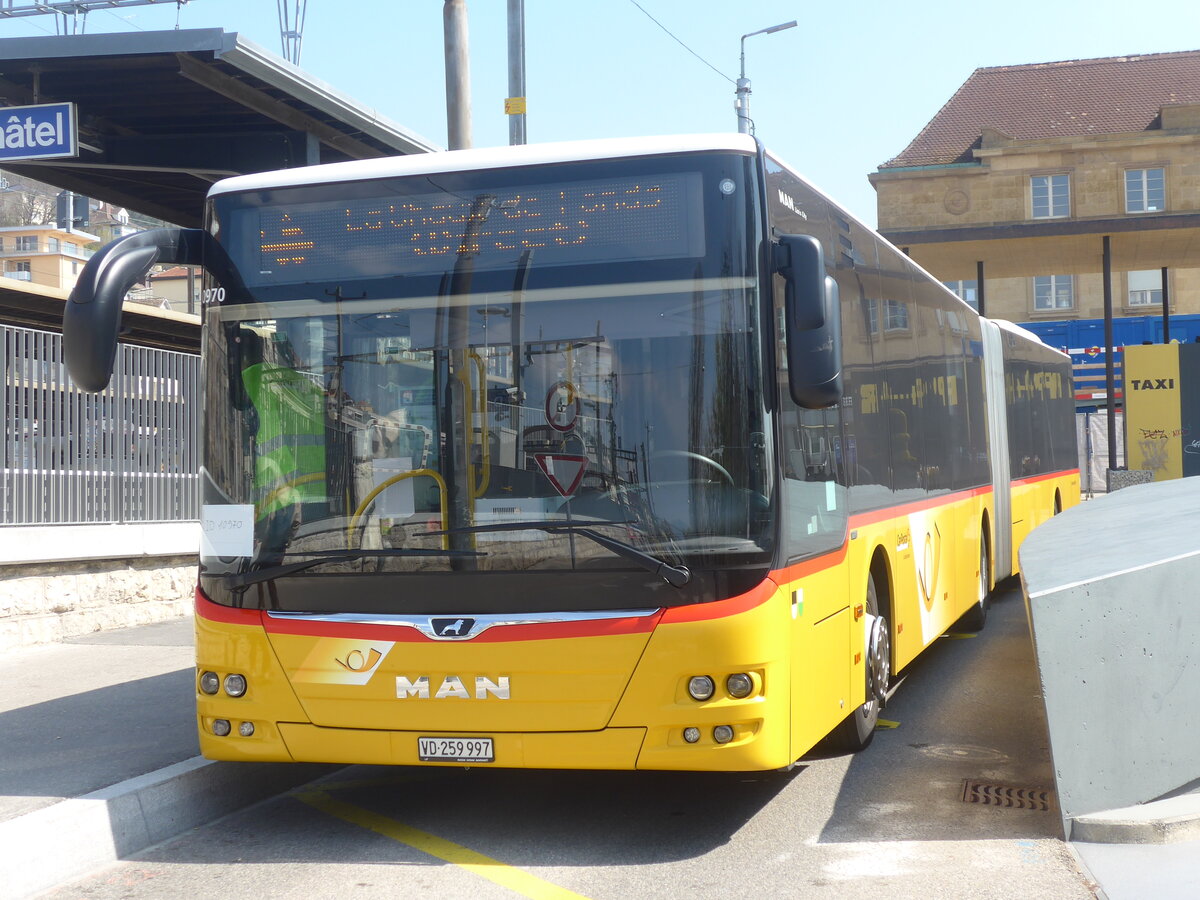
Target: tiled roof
[
  {"x": 173, "y": 272},
  {"x": 1079, "y": 97}
]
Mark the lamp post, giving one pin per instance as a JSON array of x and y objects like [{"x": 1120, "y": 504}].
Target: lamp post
[{"x": 742, "y": 94}]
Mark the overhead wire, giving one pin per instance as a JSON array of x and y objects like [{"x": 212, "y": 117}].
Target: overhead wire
[{"x": 681, "y": 43}]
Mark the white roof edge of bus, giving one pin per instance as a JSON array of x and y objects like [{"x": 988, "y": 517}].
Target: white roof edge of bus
[
  {"x": 484, "y": 158},
  {"x": 853, "y": 218},
  {"x": 1016, "y": 329}
]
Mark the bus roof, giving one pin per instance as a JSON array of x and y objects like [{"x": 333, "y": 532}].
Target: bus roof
[{"x": 484, "y": 158}]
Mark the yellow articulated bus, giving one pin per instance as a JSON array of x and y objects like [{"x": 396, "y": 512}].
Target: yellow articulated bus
[{"x": 616, "y": 455}]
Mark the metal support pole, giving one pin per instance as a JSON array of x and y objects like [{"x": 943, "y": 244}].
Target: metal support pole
[
  {"x": 516, "y": 70},
  {"x": 741, "y": 102},
  {"x": 979, "y": 299},
  {"x": 1110, "y": 377},
  {"x": 458, "y": 75},
  {"x": 1166, "y": 295}
]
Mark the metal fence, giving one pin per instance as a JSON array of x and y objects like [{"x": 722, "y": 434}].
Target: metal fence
[{"x": 128, "y": 454}]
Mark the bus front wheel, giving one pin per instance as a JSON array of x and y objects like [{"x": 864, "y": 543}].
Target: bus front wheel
[{"x": 856, "y": 731}]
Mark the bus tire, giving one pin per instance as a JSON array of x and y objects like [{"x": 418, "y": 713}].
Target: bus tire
[
  {"x": 976, "y": 617},
  {"x": 857, "y": 729}
]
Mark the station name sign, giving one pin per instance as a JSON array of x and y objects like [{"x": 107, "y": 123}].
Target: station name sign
[{"x": 38, "y": 132}]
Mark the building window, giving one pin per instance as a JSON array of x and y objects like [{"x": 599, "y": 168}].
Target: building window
[
  {"x": 52, "y": 245},
  {"x": 1051, "y": 292},
  {"x": 71, "y": 248},
  {"x": 895, "y": 315},
  {"x": 26, "y": 243},
  {"x": 1145, "y": 190},
  {"x": 20, "y": 270},
  {"x": 967, "y": 291},
  {"x": 1051, "y": 196},
  {"x": 871, "y": 312},
  {"x": 1145, "y": 287}
]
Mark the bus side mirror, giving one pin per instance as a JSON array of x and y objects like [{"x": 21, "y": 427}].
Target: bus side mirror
[
  {"x": 92, "y": 315},
  {"x": 813, "y": 323}
]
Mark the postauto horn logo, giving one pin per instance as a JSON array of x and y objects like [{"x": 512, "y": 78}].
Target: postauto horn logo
[{"x": 342, "y": 661}]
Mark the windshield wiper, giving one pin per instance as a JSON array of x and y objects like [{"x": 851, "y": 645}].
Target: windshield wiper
[
  {"x": 676, "y": 576},
  {"x": 270, "y": 573}
]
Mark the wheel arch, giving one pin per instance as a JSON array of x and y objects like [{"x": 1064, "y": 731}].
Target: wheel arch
[
  {"x": 881, "y": 571},
  {"x": 985, "y": 532}
]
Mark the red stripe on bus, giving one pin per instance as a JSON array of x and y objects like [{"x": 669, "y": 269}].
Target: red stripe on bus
[
  {"x": 809, "y": 566},
  {"x": 719, "y": 609},
  {"x": 904, "y": 509},
  {"x": 215, "y": 612},
  {"x": 399, "y": 633}
]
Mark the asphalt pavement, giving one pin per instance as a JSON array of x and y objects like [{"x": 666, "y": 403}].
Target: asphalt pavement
[{"x": 99, "y": 761}]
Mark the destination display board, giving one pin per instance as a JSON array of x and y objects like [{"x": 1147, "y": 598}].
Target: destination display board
[{"x": 639, "y": 217}]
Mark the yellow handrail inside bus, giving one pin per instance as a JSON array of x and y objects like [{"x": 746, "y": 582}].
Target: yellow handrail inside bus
[
  {"x": 288, "y": 485},
  {"x": 370, "y": 498}
]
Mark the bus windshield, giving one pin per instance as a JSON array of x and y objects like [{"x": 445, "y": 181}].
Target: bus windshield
[{"x": 441, "y": 423}]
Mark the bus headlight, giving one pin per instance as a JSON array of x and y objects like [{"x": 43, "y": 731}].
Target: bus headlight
[
  {"x": 235, "y": 685},
  {"x": 739, "y": 685},
  {"x": 723, "y": 734},
  {"x": 691, "y": 734},
  {"x": 210, "y": 682},
  {"x": 701, "y": 687},
  {"x": 220, "y": 727}
]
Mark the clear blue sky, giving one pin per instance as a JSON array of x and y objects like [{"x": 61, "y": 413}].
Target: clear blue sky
[{"x": 844, "y": 91}]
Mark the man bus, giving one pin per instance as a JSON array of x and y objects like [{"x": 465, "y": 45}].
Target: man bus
[{"x": 692, "y": 461}]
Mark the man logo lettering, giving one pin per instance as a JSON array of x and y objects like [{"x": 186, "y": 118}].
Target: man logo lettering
[{"x": 451, "y": 686}]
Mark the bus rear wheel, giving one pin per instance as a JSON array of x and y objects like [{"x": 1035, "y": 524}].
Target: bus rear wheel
[
  {"x": 858, "y": 728},
  {"x": 976, "y": 617}
]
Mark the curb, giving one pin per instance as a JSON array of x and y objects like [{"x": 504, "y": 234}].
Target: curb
[
  {"x": 1160, "y": 822},
  {"x": 74, "y": 837}
]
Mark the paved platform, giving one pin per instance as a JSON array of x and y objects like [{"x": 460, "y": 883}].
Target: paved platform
[
  {"x": 99, "y": 757},
  {"x": 99, "y": 760}
]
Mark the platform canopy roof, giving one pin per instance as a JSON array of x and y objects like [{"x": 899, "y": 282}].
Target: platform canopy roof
[{"x": 164, "y": 114}]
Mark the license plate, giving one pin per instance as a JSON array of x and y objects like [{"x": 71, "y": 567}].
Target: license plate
[{"x": 452, "y": 749}]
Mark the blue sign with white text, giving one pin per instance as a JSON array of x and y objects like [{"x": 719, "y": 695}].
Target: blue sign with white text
[{"x": 38, "y": 132}]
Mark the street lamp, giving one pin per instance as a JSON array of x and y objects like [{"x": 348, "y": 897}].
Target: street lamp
[{"x": 742, "y": 103}]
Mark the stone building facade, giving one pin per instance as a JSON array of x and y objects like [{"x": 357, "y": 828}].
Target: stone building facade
[{"x": 1009, "y": 192}]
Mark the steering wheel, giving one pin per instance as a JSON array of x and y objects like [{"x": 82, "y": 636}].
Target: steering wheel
[{"x": 687, "y": 454}]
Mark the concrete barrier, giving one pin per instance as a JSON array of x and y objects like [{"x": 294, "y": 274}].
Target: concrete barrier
[
  {"x": 1112, "y": 588},
  {"x": 74, "y": 837}
]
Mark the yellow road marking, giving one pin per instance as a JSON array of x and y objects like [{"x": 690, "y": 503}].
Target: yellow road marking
[
  {"x": 484, "y": 866},
  {"x": 334, "y": 784},
  {"x": 886, "y": 723}
]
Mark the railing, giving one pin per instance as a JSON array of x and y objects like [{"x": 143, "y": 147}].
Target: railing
[
  {"x": 70, "y": 249},
  {"x": 128, "y": 454}
]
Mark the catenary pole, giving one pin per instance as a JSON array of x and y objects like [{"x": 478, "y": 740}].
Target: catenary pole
[
  {"x": 516, "y": 72},
  {"x": 458, "y": 75}
]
